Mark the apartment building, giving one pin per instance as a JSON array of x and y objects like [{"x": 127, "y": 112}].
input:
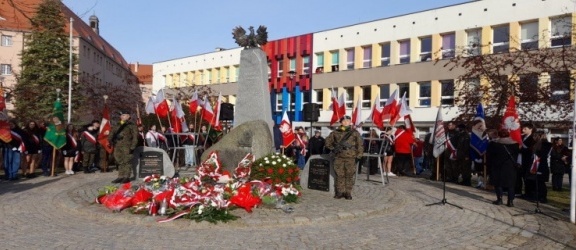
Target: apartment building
[
  {"x": 371, "y": 59},
  {"x": 99, "y": 63}
]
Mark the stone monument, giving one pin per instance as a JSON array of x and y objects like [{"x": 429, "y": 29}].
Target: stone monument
[{"x": 167, "y": 166}]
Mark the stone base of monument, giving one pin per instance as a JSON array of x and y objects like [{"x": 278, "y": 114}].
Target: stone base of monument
[
  {"x": 148, "y": 161},
  {"x": 318, "y": 174}
]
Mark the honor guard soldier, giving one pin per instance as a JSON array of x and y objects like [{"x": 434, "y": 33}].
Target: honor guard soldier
[{"x": 124, "y": 138}]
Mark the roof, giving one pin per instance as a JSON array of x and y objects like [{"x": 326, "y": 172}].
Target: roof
[
  {"x": 143, "y": 72},
  {"x": 17, "y": 15}
]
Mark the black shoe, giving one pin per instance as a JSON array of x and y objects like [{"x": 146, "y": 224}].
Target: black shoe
[
  {"x": 510, "y": 203},
  {"x": 338, "y": 196},
  {"x": 497, "y": 202},
  {"x": 118, "y": 180},
  {"x": 125, "y": 180},
  {"x": 347, "y": 196}
]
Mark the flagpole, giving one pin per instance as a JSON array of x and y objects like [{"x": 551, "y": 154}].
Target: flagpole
[
  {"x": 52, "y": 171},
  {"x": 484, "y": 165},
  {"x": 438, "y": 168},
  {"x": 70, "y": 71},
  {"x": 573, "y": 169}
]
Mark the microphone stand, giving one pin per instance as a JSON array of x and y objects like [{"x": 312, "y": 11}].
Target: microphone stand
[
  {"x": 443, "y": 201},
  {"x": 537, "y": 208}
]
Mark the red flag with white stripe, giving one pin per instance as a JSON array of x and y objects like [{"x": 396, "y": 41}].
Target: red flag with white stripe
[
  {"x": 161, "y": 106},
  {"x": 105, "y": 129},
  {"x": 357, "y": 113},
  {"x": 207, "y": 112},
  {"x": 287, "y": 134},
  {"x": 376, "y": 114},
  {"x": 335, "y": 108},
  {"x": 193, "y": 105}
]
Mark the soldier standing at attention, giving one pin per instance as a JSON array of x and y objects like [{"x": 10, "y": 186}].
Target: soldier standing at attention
[
  {"x": 346, "y": 145},
  {"x": 124, "y": 138}
]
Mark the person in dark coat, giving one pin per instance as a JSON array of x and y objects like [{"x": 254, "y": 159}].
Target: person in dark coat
[
  {"x": 501, "y": 156},
  {"x": 277, "y": 137},
  {"x": 32, "y": 140},
  {"x": 539, "y": 173},
  {"x": 526, "y": 152},
  {"x": 316, "y": 144},
  {"x": 89, "y": 146},
  {"x": 558, "y": 163}
]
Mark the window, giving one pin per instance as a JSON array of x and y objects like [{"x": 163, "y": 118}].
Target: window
[
  {"x": 447, "y": 93},
  {"x": 404, "y": 88},
  {"x": 384, "y": 94},
  {"x": 366, "y": 95},
  {"x": 335, "y": 60},
  {"x": 529, "y": 36},
  {"x": 292, "y": 64},
  {"x": 306, "y": 65},
  {"x": 6, "y": 40},
  {"x": 279, "y": 102},
  {"x": 349, "y": 96},
  {"x": 350, "y": 58},
  {"x": 367, "y": 62},
  {"x": 501, "y": 39},
  {"x": 320, "y": 63},
  {"x": 210, "y": 77},
  {"x": 236, "y": 73},
  {"x": 319, "y": 94},
  {"x": 385, "y": 54},
  {"x": 280, "y": 65},
  {"x": 560, "y": 86},
  {"x": 425, "y": 49},
  {"x": 404, "y": 51},
  {"x": 5, "y": 69},
  {"x": 448, "y": 45},
  {"x": 529, "y": 88},
  {"x": 425, "y": 94},
  {"x": 561, "y": 31},
  {"x": 474, "y": 42},
  {"x": 217, "y": 75}
]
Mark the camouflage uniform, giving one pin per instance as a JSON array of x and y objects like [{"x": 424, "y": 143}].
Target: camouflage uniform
[
  {"x": 124, "y": 144},
  {"x": 345, "y": 161}
]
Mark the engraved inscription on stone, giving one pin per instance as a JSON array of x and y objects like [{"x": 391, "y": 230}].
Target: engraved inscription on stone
[
  {"x": 150, "y": 163},
  {"x": 319, "y": 175}
]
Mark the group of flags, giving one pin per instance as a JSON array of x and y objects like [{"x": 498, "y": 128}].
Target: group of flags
[{"x": 162, "y": 109}]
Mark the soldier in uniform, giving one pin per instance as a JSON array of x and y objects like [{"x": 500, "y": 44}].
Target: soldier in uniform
[
  {"x": 124, "y": 138},
  {"x": 346, "y": 145}
]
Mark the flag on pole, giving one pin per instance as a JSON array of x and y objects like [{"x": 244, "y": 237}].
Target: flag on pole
[
  {"x": 535, "y": 165},
  {"x": 376, "y": 114},
  {"x": 161, "y": 106},
  {"x": 287, "y": 134},
  {"x": 405, "y": 111},
  {"x": 438, "y": 139},
  {"x": 150, "y": 106},
  {"x": 177, "y": 117},
  {"x": 478, "y": 141},
  {"x": 335, "y": 108},
  {"x": 207, "y": 112},
  {"x": 193, "y": 105},
  {"x": 105, "y": 129},
  {"x": 357, "y": 113},
  {"x": 390, "y": 109},
  {"x": 56, "y": 132},
  {"x": 216, "y": 122},
  {"x": 4, "y": 125},
  {"x": 511, "y": 122}
]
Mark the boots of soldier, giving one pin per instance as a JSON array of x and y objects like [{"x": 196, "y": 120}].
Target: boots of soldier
[
  {"x": 498, "y": 201},
  {"x": 87, "y": 170},
  {"x": 338, "y": 195},
  {"x": 347, "y": 196},
  {"x": 510, "y": 203}
]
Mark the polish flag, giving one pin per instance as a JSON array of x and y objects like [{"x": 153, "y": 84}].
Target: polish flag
[
  {"x": 150, "y": 106},
  {"x": 335, "y": 108},
  {"x": 357, "y": 113},
  {"x": 161, "y": 106},
  {"x": 105, "y": 129},
  {"x": 390, "y": 110},
  {"x": 194, "y": 103},
  {"x": 207, "y": 112},
  {"x": 376, "y": 115},
  {"x": 216, "y": 122},
  {"x": 287, "y": 134},
  {"x": 177, "y": 118},
  {"x": 511, "y": 122}
]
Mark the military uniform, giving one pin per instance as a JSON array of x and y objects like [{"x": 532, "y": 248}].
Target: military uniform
[
  {"x": 345, "y": 161},
  {"x": 124, "y": 138}
]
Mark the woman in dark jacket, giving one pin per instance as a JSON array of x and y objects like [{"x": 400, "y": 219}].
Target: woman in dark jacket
[
  {"x": 558, "y": 163},
  {"x": 70, "y": 149},
  {"x": 540, "y": 170},
  {"x": 32, "y": 141},
  {"x": 501, "y": 158}
]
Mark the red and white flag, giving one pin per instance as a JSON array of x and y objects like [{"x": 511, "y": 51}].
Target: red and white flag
[
  {"x": 511, "y": 122},
  {"x": 105, "y": 129},
  {"x": 193, "y": 105},
  {"x": 287, "y": 134},
  {"x": 406, "y": 112},
  {"x": 376, "y": 115},
  {"x": 150, "y": 106},
  {"x": 357, "y": 113},
  {"x": 177, "y": 118},
  {"x": 336, "y": 113},
  {"x": 216, "y": 122},
  {"x": 207, "y": 112},
  {"x": 161, "y": 106},
  {"x": 535, "y": 165},
  {"x": 390, "y": 110},
  {"x": 438, "y": 139}
]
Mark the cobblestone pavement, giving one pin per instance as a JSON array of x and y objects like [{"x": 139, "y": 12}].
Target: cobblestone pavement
[{"x": 58, "y": 213}]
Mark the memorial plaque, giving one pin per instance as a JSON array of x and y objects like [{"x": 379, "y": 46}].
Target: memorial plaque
[
  {"x": 150, "y": 163},
  {"x": 319, "y": 175}
]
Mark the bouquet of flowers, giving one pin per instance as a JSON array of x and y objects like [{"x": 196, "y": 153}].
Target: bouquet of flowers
[{"x": 275, "y": 168}]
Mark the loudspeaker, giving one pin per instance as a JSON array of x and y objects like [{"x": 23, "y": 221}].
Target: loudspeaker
[
  {"x": 226, "y": 112},
  {"x": 311, "y": 112}
]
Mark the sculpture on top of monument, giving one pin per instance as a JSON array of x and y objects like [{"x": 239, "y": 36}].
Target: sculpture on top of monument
[{"x": 251, "y": 40}]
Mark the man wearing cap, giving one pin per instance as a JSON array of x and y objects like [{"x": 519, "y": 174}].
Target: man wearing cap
[
  {"x": 316, "y": 144},
  {"x": 346, "y": 146},
  {"x": 124, "y": 138}
]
